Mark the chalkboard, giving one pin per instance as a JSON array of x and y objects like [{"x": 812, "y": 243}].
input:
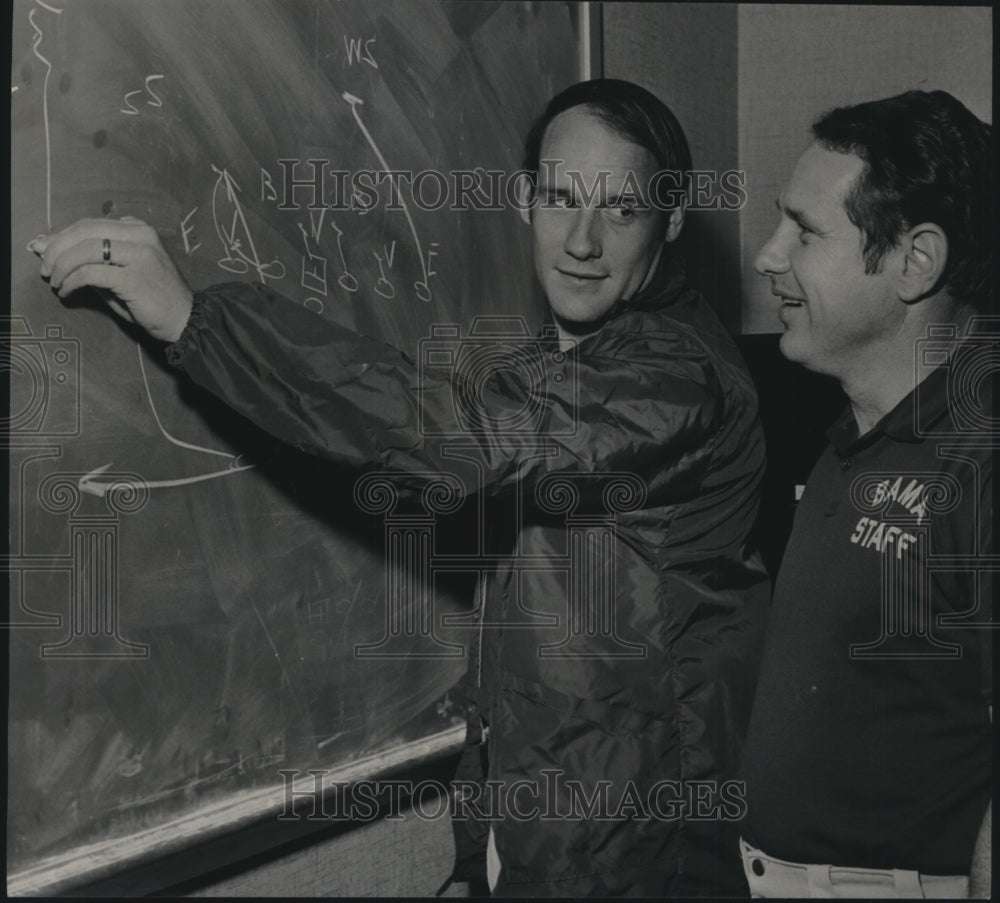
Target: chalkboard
[{"x": 194, "y": 606}]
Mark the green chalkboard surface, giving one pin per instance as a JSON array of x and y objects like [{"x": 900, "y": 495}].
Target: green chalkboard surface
[{"x": 193, "y": 606}]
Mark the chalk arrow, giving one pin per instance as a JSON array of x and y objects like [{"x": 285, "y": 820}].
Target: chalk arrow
[{"x": 356, "y": 102}]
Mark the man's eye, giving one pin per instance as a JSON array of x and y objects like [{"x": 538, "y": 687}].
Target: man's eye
[
  {"x": 622, "y": 213},
  {"x": 805, "y": 235},
  {"x": 559, "y": 201}
]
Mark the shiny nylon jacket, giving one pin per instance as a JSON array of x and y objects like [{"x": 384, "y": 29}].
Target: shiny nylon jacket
[{"x": 631, "y": 610}]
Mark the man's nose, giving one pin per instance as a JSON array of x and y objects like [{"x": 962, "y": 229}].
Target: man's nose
[
  {"x": 773, "y": 257},
  {"x": 583, "y": 239}
]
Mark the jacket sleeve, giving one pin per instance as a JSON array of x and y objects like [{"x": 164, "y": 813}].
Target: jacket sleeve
[{"x": 640, "y": 404}]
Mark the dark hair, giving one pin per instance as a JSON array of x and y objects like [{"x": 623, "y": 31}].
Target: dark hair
[
  {"x": 632, "y": 112},
  {"x": 927, "y": 159}
]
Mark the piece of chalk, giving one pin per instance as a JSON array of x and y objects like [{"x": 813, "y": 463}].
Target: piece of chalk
[{"x": 38, "y": 244}]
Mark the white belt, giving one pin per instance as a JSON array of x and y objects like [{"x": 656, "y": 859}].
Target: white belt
[{"x": 770, "y": 877}]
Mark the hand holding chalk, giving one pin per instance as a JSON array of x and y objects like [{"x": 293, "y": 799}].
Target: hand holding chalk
[{"x": 126, "y": 262}]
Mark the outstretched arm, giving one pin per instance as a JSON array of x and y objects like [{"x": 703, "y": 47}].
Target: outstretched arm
[{"x": 647, "y": 408}]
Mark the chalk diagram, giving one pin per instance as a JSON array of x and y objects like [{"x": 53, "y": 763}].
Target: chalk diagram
[
  {"x": 231, "y": 226},
  {"x": 422, "y": 286},
  {"x": 314, "y": 265},
  {"x": 240, "y": 255}
]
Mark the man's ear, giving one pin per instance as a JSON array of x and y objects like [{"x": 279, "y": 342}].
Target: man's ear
[
  {"x": 524, "y": 191},
  {"x": 675, "y": 222},
  {"x": 925, "y": 255}
]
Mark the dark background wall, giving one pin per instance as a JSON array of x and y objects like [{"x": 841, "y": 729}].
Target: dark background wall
[
  {"x": 684, "y": 53},
  {"x": 796, "y": 61}
]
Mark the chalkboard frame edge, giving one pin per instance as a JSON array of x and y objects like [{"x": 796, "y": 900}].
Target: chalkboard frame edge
[
  {"x": 591, "y": 39},
  {"x": 88, "y": 865}
]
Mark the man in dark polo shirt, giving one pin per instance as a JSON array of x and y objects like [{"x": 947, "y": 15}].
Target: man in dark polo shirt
[{"x": 868, "y": 760}]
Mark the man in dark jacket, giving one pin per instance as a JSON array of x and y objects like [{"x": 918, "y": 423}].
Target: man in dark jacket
[{"x": 621, "y": 644}]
